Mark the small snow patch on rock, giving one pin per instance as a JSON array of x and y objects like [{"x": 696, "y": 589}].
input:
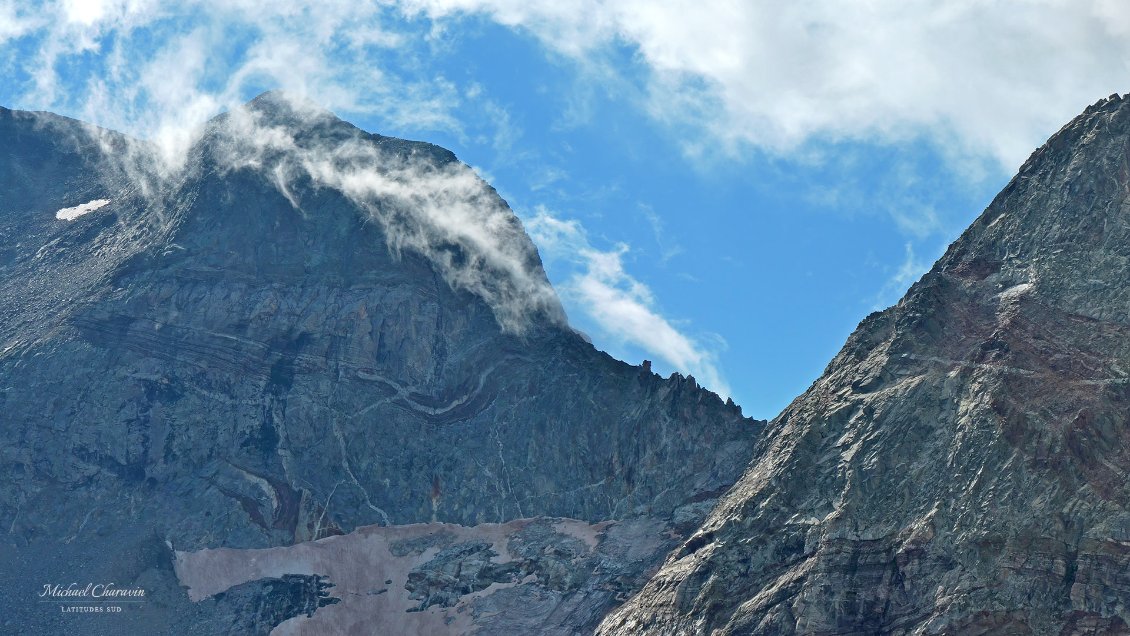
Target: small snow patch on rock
[
  {"x": 70, "y": 214},
  {"x": 1016, "y": 291}
]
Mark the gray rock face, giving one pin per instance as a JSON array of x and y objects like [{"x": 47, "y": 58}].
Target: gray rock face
[
  {"x": 961, "y": 467},
  {"x": 285, "y": 339}
]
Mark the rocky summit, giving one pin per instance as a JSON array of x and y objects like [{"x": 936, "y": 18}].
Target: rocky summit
[
  {"x": 962, "y": 465},
  {"x": 299, "y": 378}
]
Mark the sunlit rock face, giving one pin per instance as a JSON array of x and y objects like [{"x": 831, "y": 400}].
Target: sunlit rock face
[
  {"x": 296, "y": 332},
  {"x": 962, "y": 465}
]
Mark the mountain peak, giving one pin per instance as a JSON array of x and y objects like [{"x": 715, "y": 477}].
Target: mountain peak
[
  {"x": 960, "y": 467},
  {"x": 284, "y": 109},
  {"x": 1060, "y": 225},
  {"x": 306, "y": 332}
]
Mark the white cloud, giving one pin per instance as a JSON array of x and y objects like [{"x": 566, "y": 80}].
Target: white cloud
[
  {"x": 991, "y": 79},
  {"x": 979, "y": 78},
  {"x": 14, "y": 23},
  {"x": 623, "y": 308}
]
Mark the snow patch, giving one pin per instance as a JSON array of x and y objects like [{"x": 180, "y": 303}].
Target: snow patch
[
  {"x": 70, "y": 214},
  {"x": 1016, "y": 291}
]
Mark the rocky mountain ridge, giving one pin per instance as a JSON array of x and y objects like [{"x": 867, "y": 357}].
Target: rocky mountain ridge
[{"x": 961, "y": 466}]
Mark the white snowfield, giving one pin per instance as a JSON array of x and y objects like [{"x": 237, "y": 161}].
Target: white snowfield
[{"x": 70, "y": 214}]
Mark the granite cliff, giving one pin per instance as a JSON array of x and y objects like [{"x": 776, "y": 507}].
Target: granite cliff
[
  {"x": 310, "y": 379},
  {"x": 961, "y": 466}
]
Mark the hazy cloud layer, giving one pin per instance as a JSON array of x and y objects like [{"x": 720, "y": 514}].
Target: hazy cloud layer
[
  {"x": 160, "y": 71},
  {"x": 622, "y": 307}
]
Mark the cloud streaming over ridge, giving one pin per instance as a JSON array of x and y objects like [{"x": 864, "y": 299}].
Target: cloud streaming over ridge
[
  {"x": 160, "y": 71},
  {"x": 438, "y": 208}
]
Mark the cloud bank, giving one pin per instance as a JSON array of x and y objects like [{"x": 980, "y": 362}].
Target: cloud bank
[{"x": 980, "y": 78}]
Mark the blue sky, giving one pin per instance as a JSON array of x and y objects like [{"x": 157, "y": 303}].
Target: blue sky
[{"x": 725, "y": 188}]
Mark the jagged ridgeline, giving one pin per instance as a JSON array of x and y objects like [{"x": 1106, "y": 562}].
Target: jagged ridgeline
[
  {"x": 302, "y": 373},
  {"x": 961, "y": 467}
]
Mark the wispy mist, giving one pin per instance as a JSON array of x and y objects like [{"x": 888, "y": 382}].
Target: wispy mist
[
  {"x": 438, "y": 208},
  {"x": 621, "y": 306}
]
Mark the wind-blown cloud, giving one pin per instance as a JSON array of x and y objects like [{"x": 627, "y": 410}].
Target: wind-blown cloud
[
  {"x": 621, "y": 306},
  {"x": 982, "y": 80},
  {"x": 424, "y": 202}
]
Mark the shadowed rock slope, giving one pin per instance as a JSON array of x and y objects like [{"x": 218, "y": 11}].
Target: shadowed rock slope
[
  {"x": 961, "y": 466},
  {"x": 242, "y": 353}
]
